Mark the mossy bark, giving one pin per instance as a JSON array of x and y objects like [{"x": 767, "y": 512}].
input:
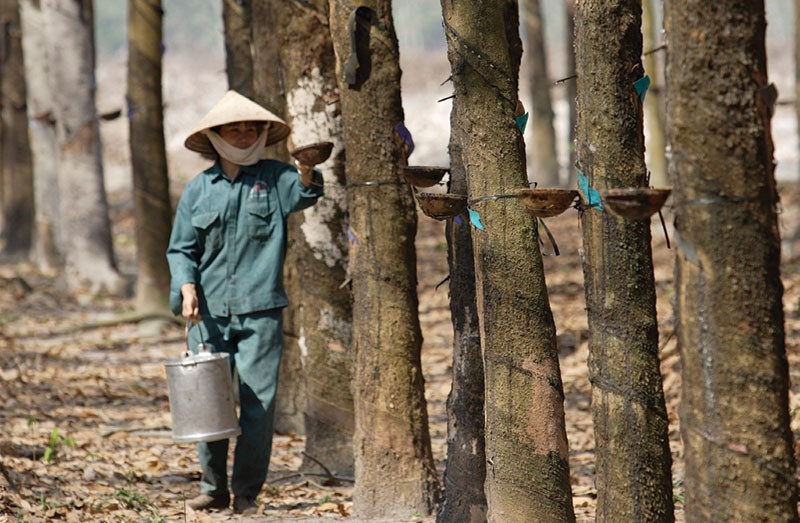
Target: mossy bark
[
  {"x": 395, "y": 474},
  {"x": 632, "y": 452},
  {"x": 734, "y": 413},
  {"x": 527, "y": 477}
]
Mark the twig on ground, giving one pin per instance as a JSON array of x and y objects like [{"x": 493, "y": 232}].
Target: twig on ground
[
  {"x": 286, "y": 477},
  {"x": 111, "y": 432},
  {"x": 304, "y": 476},
  {"x": 315, "y": 484},
  {"x": 318, "y": 462}
]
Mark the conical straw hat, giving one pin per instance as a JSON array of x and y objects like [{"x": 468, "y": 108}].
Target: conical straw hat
[{"x": 233, "y": 107}]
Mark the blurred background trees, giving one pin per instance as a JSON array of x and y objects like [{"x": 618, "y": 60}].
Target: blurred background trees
[
  {"x": 16, "y": 169},
  {"x": 421, "y": 37}
]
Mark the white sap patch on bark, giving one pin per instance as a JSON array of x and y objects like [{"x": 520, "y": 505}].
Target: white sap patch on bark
[
  {"x": 335, "y": 327},
  {"x": 301, "y": 342},
  {"x": 311, "y": 125}
]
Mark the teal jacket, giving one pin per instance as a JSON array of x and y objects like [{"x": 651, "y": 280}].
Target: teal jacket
[{"x": 229, "y": 237}]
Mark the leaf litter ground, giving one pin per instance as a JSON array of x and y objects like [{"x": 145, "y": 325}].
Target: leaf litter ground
[{"x": 85, "y": 427}]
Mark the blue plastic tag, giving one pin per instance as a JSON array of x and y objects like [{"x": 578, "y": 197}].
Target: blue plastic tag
[
  {"x": 591, "y": 195},
  {"x": 522, "y": 122},
  {"x": 475, "y": 219},
  {"x": 641, "y": 85}
]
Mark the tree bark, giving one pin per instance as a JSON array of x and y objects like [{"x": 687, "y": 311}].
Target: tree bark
[
  {"x": 151, "y": 201},
  {"x": 543, "y": 134},
  {"x": 632, "y": 452},
  {"x": 17, "y": 202},
  {"x": 83, "y": 208},
  {"x": 734, "y": 412},
  {"x": 268, "y": 83},
  {"x": 237, "y": 19},
  {"x": 464, "y": 500},
  {"x": 324, "y": 308},
  {"x": 45, "y": 252},
  {"x": 571, "y": 91},
  {"x": 269, "y": 91},
  {"x": 511, "y": 27},
  {"x": 527, "y": 477},
  {"x": 655, "y": 137},
  {"x": 394, "y": 469}
]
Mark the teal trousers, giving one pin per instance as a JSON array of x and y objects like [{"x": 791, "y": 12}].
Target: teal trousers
[{"x": 255, "y": 344}]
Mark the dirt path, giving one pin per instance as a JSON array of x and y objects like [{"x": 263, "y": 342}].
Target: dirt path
[{"x": 95, "y": 400}]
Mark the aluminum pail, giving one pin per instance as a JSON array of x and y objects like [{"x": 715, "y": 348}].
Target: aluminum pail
[{"x": 201, "y": 398}]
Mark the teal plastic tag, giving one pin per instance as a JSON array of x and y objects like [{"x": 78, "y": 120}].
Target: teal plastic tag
[
  {"x": 641, "y": 85},
  {"x": 522, "y": 122},
  {"x": 475, "y": 219},
  {"x": 591, "y": 195}
]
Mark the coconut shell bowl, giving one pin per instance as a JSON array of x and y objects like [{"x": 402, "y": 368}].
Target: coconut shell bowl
[
  {"x": 635, "y": 203},
  {"x": 313, "y": 154},
  {"x": 423, "y": 176},
  {"x": 441, "y": 206},
  {"x": 546, "y": 202}
]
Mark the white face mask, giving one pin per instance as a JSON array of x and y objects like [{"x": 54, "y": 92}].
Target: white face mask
[{"x": 236, "y": 155}]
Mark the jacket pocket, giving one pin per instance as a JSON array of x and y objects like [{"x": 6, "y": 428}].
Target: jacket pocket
[
  {"x": 209, "y": 230},
  {"x": 260, "y": 220}
]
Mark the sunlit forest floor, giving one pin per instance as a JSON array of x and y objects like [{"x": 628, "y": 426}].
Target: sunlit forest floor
[{"x": 85, "y": 426}]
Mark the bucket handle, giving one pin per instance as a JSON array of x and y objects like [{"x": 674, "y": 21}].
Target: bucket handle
[{"x": 203, "y": 347}]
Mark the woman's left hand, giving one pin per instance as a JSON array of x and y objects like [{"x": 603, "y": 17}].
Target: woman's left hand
[{"x": 306, "y": 173}]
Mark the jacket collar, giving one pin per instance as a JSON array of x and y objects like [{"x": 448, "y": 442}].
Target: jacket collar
[{"x": 216, "y": 173}]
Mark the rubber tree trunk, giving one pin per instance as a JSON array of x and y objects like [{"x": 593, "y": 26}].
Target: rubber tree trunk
[
  {"x": 464, "y": 500},
  {"x": 17, "y": 202},
  {"x": 734, "y": 412},
  {"x": 527, "y": 476},
  {"x": 543, "y": 143},
  {"x": 45, "y": 252},
  {"x": 269, "y": 91},
  {"x": 83, "y": 207},
  {"x": 511, "y": 27},
  {"x": 237, "y": 20},
  {"x": 324, "y": 311},
  {"x": 655, "y": 138},
  {"x": 148, "y": 154},
  {"x": 632, "y": 455},
  {"x": 570, "y": 87},
  {"x": 268, "y": 86},
  {"x": 394, "y": 469}
]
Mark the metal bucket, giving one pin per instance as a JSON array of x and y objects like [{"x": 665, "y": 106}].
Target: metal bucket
[{"x": 201, "y": 397}]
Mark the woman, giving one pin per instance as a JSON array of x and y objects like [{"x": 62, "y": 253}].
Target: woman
[{"x": 226, "y": 255}]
